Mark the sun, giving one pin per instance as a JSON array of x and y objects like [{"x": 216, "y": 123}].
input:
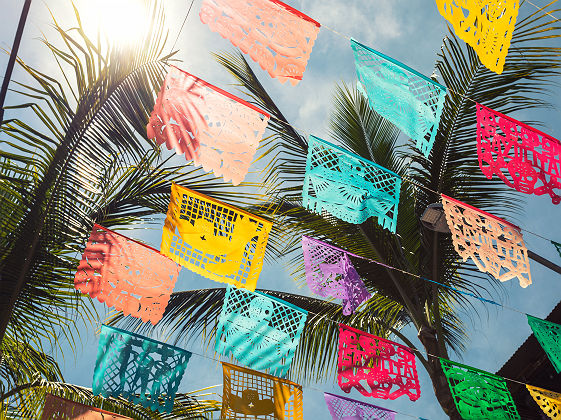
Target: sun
[{"x": 118, "y": 21}]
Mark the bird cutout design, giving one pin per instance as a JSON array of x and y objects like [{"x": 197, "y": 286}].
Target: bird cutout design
[
  {"x": 214, "y": 239},
  {"x": 258, "y": 330}
]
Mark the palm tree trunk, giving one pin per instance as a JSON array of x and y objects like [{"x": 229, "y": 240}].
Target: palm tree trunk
[{"x": 427, "y": 336}]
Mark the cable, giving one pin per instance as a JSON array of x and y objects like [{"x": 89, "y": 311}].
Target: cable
[{"x": 182, "y": 25}]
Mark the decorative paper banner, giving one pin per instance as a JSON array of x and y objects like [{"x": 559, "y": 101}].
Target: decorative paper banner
[
  {"x": 140, "y": 369},
  {"x": 214, "y": 239},
  {"x": 557, "y": 246},
  {"x": 388, "y": 368},
  {"x": 549, "y": 401},
  {"x": 478, "y": 394},
  {"x": 125, "y": 274},
  {"x": 524, "y": 158},
  {"x": 212, "y": 127},
  {"x": 260, "y": 331},
  {"x": 250, "y": 394},
  {"x": 274, "y": 34},
  {"x": 548, "y": 335},
  {"x": 410, "y": 100},
  {"x": 486, "y": 25},
  {"x": 60, "y": 408},
  {"x": 330, "y": 273},
  {"x": 495, "y": 245},
  {"x": 349, "y": 187},
  {"x": 342, "y": 408}
]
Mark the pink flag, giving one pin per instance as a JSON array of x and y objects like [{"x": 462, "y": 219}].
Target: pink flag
[
  {"x": 524, "y": 158},
  {"x": 127, "y": 275},
  {"x": 387, "y": 368},
  {"x": 210, "y": 126},
  {"x": 274, "y": 34}
]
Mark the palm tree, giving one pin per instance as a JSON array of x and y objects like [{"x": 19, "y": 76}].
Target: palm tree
[
  {"x": 451, "y": 169},
  {"x": 76, "y": 155}
]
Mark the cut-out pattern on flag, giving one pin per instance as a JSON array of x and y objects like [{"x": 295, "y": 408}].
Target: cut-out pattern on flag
[
  {"x": 478, "y": 394},
  {"x": 214, "y": 239},
  {"x": 495, "y": 245},
  {"x": 387, "y": 368},
  {"x": 557, "y": 246},
  {"x": 140, "y": 369},
  {"x": 485, "y": 25},
  {"x": 276, "y": 36},
  {"x": 214, "y": 128},
  {"x": 330, "y": 273},
  {"x": 254, "y": 395},
  {"x": 548, "y": 335},
  {"x": 57, "y": 408},
  {"x": 410, "y": 100},
  {"x": 260, "y": 331},
  {"x": 342, "y": 408},
  {"x": 349, "y": 187},
  {"x": 524, "y": 158},
  {"x": 127, "y": 275},
  {"x": 549, "y": 401}
]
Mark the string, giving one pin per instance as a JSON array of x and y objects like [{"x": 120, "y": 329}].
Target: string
[
  {"x": 182, "y": 25},
  {"x": 541, "y": 9}
]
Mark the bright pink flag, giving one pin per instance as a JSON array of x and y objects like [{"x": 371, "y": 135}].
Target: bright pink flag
[
  {"x": 127, "y": 275},
  {"x": 387, "y": 368},
  {"x": 210, "y": 126},
  {"x": 274, "y": 34},
  {"x": 524, "y": 158}
]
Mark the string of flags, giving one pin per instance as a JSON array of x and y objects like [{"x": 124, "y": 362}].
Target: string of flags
[{"x": 221, "y": 133}]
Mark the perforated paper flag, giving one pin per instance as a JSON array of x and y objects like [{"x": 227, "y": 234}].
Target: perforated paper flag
[
  {"x": 214, "y": 239},
  {"x": 387, "y": 368},
  {"x": 57, "y": 408},
  {"x": 274, "y": 34},
  {"x": 249, "y": 394},
  {"x": 125, "y": 274},
  {"x": 212, "y": 127},
  {"x": 524, "y": 158},
  {"x": 549, "y": 401},
  {"x": 495, "y": 245},
  {"x": 349, "y": 187},
  {"x": 479, "y": 394},
  {"x": 140, "y": 369},
  {"x": 557, "y": 246},
  {"x": 410, "y": 100},
  {"x": 486, "y": 25},
  {"x": 259, "y": 330},
  {"x": 549, "y": 336},
  {"x": 330, "y": 273},
  {"x": 342, "y": 408}
]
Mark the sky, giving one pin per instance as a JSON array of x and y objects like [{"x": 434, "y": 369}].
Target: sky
[{"x": 410, "y": 31}]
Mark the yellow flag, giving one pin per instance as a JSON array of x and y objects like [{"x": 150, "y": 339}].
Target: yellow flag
[
  {"x": 549, "y": 401},
  {"x": 486, "y": 25},
  {"x": 214, "y": 239}
]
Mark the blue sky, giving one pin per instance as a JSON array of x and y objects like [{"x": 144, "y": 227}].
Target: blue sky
[{"x": 410, "y": 31}]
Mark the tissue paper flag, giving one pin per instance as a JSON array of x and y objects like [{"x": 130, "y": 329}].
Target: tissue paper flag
[
  {"x": 548, "y": 335},
  {"x": 342, "y": 408},
  {"x": 57, "y": 408},
  {"x": 214, "y": 239},
  {"x": 495, "y": 245},
  {"x": 260, "y": 331},
  {"x": 212, "y": 127},
  {"x": 549, "y": 401},
  {"x": 125, "y": 274}
]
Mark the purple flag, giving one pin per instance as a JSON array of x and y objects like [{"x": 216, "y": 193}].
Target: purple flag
[
  {"x": 330, "y": 273},
  {"x": 342, "y": 408}
]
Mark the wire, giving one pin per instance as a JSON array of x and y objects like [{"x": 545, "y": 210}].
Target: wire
[{"x": 182, "y": 25}]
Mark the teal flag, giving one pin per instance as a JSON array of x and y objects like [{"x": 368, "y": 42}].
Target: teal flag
[
  {"x": 348, "y": 186},
  {"x": 411, "y": 101},
  {"x": 140, "y": 369}
]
